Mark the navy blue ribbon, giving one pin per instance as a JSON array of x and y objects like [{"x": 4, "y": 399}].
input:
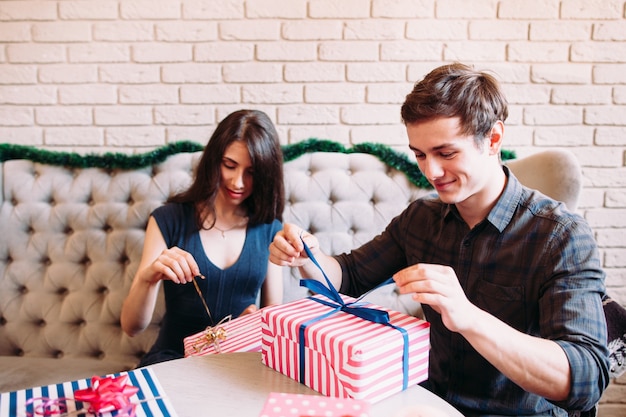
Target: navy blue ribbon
[{"x": 356, "y": 308}]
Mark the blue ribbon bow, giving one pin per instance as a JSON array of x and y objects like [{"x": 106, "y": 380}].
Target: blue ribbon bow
[{"x": 356, "y": 308}]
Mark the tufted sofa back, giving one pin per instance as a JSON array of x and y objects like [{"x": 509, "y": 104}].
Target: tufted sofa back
[{"x": 71, "y": 241}]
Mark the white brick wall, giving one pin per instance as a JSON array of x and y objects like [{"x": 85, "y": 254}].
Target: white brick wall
[{"x": 131, "y": 75}]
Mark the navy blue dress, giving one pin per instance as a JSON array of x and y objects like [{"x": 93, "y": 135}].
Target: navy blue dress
[{"x": 226, "y": 291}]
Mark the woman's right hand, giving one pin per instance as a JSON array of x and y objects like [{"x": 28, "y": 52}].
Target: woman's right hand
[
  {"x": 287, "y": 248},
  {"x": 173, "y": 264}
]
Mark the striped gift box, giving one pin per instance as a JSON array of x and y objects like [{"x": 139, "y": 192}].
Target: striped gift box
[
  {"x": 343, "y": 355},
  {"x": 242, "y": 334}
]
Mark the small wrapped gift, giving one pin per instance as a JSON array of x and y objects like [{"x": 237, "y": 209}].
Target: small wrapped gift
[
  {"x": 242, "y": 334},
  {"x": 280, "y": 404},
  {"x": 340, "y": 354}
]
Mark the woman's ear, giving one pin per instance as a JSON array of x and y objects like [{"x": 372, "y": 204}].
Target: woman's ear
[{"x": 495, "y": 138}]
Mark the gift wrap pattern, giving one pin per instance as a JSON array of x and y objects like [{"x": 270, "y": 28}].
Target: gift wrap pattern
[
  {"x": 343, "y": 355},
  {"x": 280, "y": 404},
  {"x": 150, "y": 399},
  {"x": 242, "y": 334}
]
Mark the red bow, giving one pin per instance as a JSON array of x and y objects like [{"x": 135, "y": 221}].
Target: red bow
[{"x": 108, "y": 394}]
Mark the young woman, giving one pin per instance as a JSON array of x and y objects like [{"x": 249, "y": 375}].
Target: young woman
[{"x": 216, "y": 232}]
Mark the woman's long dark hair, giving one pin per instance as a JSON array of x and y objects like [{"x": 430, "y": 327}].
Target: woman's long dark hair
[{"x": 267, "y": 200}]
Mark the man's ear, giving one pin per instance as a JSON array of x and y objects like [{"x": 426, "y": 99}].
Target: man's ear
[{"x": 495, "y": 138}]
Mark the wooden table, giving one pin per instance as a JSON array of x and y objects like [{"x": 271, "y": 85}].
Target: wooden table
[{"x": 238, "y": 384}]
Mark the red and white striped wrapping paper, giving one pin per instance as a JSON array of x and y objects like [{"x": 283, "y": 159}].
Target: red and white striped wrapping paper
[
  {"x": 243, "y": 334},
  {"x": 345, "y": 356}
]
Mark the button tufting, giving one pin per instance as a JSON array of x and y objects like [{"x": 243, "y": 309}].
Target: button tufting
[
  {"x": 22, "y": 289},
  {"x": 3, "y": 321},
  {"x": 103, "y": 290},
  {"x": 62, "y": 291},
  {"x": 99, "y": 354},
  {"x": 58, "y": 354},
  {"x": 41, "y": 323}
]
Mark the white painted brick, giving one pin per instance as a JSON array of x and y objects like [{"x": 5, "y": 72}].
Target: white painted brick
[
  {"x": 15, "y": 31},
  {"x": 597, "y": 52},
  {"x": 440, "y": 30},
  {"x": 354, "y": 9},
  {"x": 527, "y": 94},
  {"x": 122, "y": 115},
  {"x": 564, "y": 136},
  {"x": 609, "y": 74},
  {"x": 490, "y": 30},
  {"x": 388, "y": 93},
  {"x": 117, "y": 31},
  {"x": 186, "y": 31},
  {"x": 516, "y": 116},
  {"x": 614, "y": 258},
  {"x": 610, "y": 136},
  {"x": 417, "y": 71},
  {"x": 279, "y": 9},
  {"x": 28, "y": 10},
  {"x": 63, "y": 116},
  {"x": 561, "y": 73},
  {"x": 16, "y": 116},
  {"x": 88, "y": 10},
  {"x": 403, "y": 9},
  {"x": 334, "y": 93},
  {"x": 271, "y": 94},
  {"x": 478, "y": 9},
  {"x": 162, "y": 52},
  {"x": 372, "y": 114},
  {"x": 224, "y": 52},
  {"x": 376, "y": 72},
  {"x": 32, "y": 136},
  {"x": 308, "y": 30},
  {"x": 517, "y": 136},
  {"x": 128, "y": 73},
  {"x": 304, "y": 115},
  {"x": 528, "y": 9},
  {"x": 581, "y": 94},
  {"x": 392, "y": 135},
  {"x": 18, "y": 74},
  {"x": 410, "y": 51},
  {"x": 224, "y": 110},
  {"x": 348, "y": 51},
  {"x": 560, "y": 30},
  {"x": 262, "y": 30},
  {"x": 606, "y": 218},
  {"x": 214, "y": 9},
  {"x": 514, "y": 73},
  {"x": 135, "y": 136},
  {"x": 61, "y": 32},
  {"x": 73, "y": 135},
  {"x": 597, "y": 157},
  {"x": 604, "y": 115},
  {"x": 28, "y": 94},
  {"x": 592, "y": 9},
  {"x": 373, "y": 29},
  {"x": 191, "y": 73},
  {"x": 619, "y": 95},
  {"x": 68, "y": 74},
  {"x": 35, "y": 53},
  {"x": 198, "y": 134},
  {"x": 252, "y": 73},
  {"x": 148, "y": 94},
  {"x": 552, "y": 115},
  {"x": 590, "y": 198},
  {"x": 609, "y": 31},
  {"x": 183, "y": 115},
  {"x": 616, "y": 198},
  {"x": 537, "y": 52},
  {"x": 474, "y": 51},
  {"x": 79, "y": 53},
  {"x": 286, "y": 51},
  {"x": 88, "y": 94},
  {"x": 338, "y": 133},
  {"x": 210, "y": 94},
  {"x": 314, "y": 72},
  {"x": 605, "y": 177},
  {"x": 150, "y": 9}
]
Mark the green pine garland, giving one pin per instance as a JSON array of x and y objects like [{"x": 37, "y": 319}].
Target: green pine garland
[{"x": 392, "y": 158}]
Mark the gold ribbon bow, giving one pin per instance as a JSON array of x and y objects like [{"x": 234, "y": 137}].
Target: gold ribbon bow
[{"x": 212, "y": 335}]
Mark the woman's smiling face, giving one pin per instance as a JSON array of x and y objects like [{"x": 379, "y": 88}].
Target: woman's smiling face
[{"x": 237, "y": 174}]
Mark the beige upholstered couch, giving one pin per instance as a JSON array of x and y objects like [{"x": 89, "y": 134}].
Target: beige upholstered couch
[{"x": 71, "y": 240}]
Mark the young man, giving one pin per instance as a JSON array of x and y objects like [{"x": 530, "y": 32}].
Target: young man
[{"x": 509, "y": 280}]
